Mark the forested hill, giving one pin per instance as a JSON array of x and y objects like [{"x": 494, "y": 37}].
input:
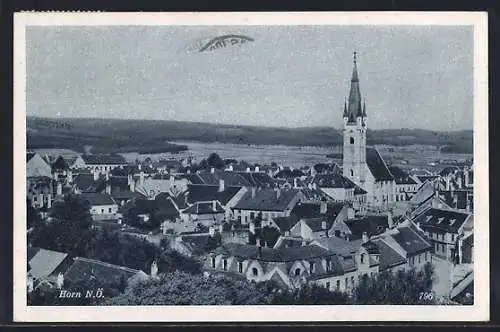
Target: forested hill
[{"x": 115, "y": 135}]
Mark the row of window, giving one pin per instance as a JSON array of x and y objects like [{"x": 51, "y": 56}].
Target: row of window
[
  {"x": 418, "y": 259},
  {"x": 346, "y": 282}
]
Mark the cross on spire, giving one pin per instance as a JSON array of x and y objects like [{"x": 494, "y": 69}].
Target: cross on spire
[{"x": 354, "y": 55}]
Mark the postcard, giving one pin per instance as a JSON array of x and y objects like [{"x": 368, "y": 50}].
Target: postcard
[{"x": 251, "y": 167}]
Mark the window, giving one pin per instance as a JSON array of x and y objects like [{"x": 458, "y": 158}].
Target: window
[
  {"x": 351, "y": 140},
  {"x": 246, "y": 219},
  {"x": 338, "y": 285},
  {"x": 213, "y": 262},
  {"x": 352, "y": 172},
  {"x": 327, "y": 285},
  {"x": 255, "y": 272},
  {"x": 109, "y": 210},
  {"x": 239, "y": 219},
  {"x": 346, "y": 283},
  {"x": 352, "y": 280},
  {"x": 252, "y": 215},
  {"x": 297, "y": 272},
  {"x": 311, "y": 267},
  {"x": 327, "y": 265},
  {"x": 102, "y": 210},
  {"x": 419, "y": 259},
  {"x": 362, "y": 258},
  {"x": 240, "y": 267},
  {"x": 224, "y": 264}
]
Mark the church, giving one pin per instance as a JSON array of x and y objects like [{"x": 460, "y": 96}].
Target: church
[{"x": 361, "y": 164}]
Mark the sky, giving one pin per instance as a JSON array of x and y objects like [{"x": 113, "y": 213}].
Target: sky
[{"x": 288, "y": 76}]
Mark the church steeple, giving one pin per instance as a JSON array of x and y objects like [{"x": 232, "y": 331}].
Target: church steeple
[{"x": 354, "y": 109}]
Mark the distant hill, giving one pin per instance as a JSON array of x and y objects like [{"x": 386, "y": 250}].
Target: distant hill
[{"x": 116, "y": 135}]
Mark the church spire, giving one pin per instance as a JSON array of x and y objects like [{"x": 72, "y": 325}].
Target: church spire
[
  {"x": 345, "y": 109},
  {"x": 354, "y": 108},
  {"x": 364, "y": 108}
]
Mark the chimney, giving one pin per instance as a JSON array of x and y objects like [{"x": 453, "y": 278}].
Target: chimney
[
  {"x": 139, "y": 167},
  {"x": 154, "y": 269},
  {"x": 60, "y": 280},
  {"x": 70, "y": 177},
  {"x": 56, "y": 176},
  {"x": 108, "y": 189},
  {"x": 221, "y": 185},
  {"x": 390, "y": 222},
  {"x": 253, "y": 192},
  {"x": 466, "y": 177},
  {"x": 221, "y": 229},
  {"x": 172, "y": 179},
  {"x": 365, "y": 237},
  {"x": 211, "y": 231},
  {"x": 350, "y": 213},
  {"x": 212, "y": 170},
  {"x": 323, "y": 225},
  {"x": 304, "y": 243},
  {"x": 278, "y": 193},
  {"x": 59, "y": 189},
  {"x": 49, "y": 202},
  {"x": 251, "y": 227},
  {"x": 188, "y": 171},
  {"x": 231, "y": 168},
  {"x": 131, "y": 184},
  {"x": 322, "y": 207},
  {"x": 256, "y": 169},
  {"x": 287, "y": 233},
  {"x": 295, "y": 185},
  {"x": 214, "y": 206},
  {"x": 259, "y": 246},
  {"x": 96, "y": 174},
  {"x": 265, "y": 244},
  {"x": 314, "y": 186},
  {"x": 248, "y": 169},
  {"x": 141, "y": 178},
  {"x": 107, "y": 175}
]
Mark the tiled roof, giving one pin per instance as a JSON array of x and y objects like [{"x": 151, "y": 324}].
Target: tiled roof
[
  {"x": 97, "y": 199},
  {"x": 288, "y": 173},
  {"x": 258, "y": 179},
  {"x": 285, "y": 223},
  {"x": 388, "y": 256},
  {"x": 86, "y": 182},
  {"x": 315, "y": 224},
  {"x": 103, "y": 159},
  {"x": 449, "y": 170},
  {"x": 288, "y": 241},
  {"x": 455, "y": 199},
  {"x": 333, "y": 180},
  {"x": 85, "y": 268},
  {"x": 199, "y": 193},
  {"x": 194, "y": 178},
  {"x": 204, "y": 208},
  {"x": 377, "y": 166},
  {"x": 372, "y": 225},
  {"x": 247, "y": 251},
  {"x": 400, "y": 176},
  {"x": 312, "y": 210},
  {"x": 45, "y": 262},
  {"x": 29, "y": 155},
  {"x": 446, "y": 220},
  {"x": 424, "y": 178},
  {"x": 339, "y": 246},
  {"x": 469, "y": 241},
  {"x": 267, "y": 200},
  {"x": 410, "y": 241},
  {"x": 359, "y": 191},
  {"x": 146, "y": 206}
]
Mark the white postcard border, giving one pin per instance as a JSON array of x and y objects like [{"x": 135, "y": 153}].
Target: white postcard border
[{"x": 478, "y": 312}]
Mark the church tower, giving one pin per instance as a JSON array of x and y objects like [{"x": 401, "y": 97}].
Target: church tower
[{"x": 354, "y": 162}]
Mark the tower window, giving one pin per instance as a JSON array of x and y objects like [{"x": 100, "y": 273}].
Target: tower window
[
  {"x": 351, "y": 140},
  {"x": 352, "y": 172}
]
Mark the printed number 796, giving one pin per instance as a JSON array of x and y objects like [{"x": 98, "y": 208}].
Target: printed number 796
[{"x": 428, "y": 296}]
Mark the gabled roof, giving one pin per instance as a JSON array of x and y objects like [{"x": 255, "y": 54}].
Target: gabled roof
[
  {"x": 204, "y": 208},
  {"x": 425, "y": 178},
  {"x": 285, "y": 223},
  {"x": 388, "y": 256},
  {"x": 333, "y": 180},
  {"x": 86, "y": 182},
  {"x": 103, "y": 159},
  {"x": 44, "y": 262},
  {"x": 199, "y": 193},
  {"x": 267, "y": 200},
  {"x": 247, "y": 251},
  {"x": 29, "y": 155},
  {"x": 339, "y": 246},
  {"x": 410, "y": 240},
  {"x": 315, "y": 224},
  {"x": 194, "y": 178},
  {"x": 258, "y": 179},
  {"x": 400, "y": 176},
  {"x": 372, "y": 225},
  {"x": 147, "y": 206},
  {"x": 359, "y": 191},
  {"x": 85, "y": 268},
  {"x": 313, "y": 210},
  {"x": 445, "y": 220},
  {"x": 97, "y": 199},
  {"x": 377, "y": 165}
]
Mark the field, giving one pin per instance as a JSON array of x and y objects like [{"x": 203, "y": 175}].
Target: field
[{"x": 151, "y": 136}]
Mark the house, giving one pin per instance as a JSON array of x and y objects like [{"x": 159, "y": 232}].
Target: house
[
  {"x": 40, "y": 191},
  {"x": 361, "y": 164},
  {"x": 268, "y": 202},
  {"x": 156, "y": 185},
  {"x": 104, "y": 273},
  {"x": 227, "y": 196},
  {"x": 320, "y": 220},
  {"x": 102, "y": 206},
  {"x": 290, "y": 267},
  {"x": 370, "y": 224},
  {"x": 44, "y": 266},
  {"x": 443, "y": 227},
  {"x": 163, "y": 210},
  {"x": 206, "y": 213},
  {"x": 336, "y": 186},
  {"x": 406, "y": 186},
  {"x": 36, "y": 166},
  {"x": 100, "y": 162}
]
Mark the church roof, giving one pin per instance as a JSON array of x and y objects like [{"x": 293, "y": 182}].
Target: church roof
[
  {"x": 377, "y": 165},
  {"x": 354, "y": 108}
]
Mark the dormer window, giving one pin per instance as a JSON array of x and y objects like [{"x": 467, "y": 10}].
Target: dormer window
[
  {"x": 297, "y": 272},
  {"x": 311, "y": 267},
  {"x": 240, "y": 267},
  {"x": 224, "y": 264},
  {"x": 328, "y": 265},
  {"x": 213, "y": 262},
  {"x": 362, "y": 258},
  {"x": 255, "y": 272}
]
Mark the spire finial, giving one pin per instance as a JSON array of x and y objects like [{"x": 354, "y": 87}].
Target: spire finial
[{"x": 354, "y": 55}]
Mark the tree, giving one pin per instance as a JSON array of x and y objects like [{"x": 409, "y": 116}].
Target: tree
[
  {"x": 310, "y": 294},
  {"x": 214, "y": 160},
  {"x": 33, "y": 218},
  {"x": 70, "y": 226},
  {"x": 403, "y": 287},
  {"x": 270, "y": 235},
  {"x": 203, "y": 164},
  {"x": 180, "y": 288}
]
